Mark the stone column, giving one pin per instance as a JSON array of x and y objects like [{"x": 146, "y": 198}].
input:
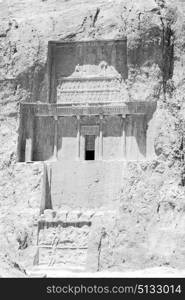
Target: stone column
[
  {"x": 29, "y": 140},
  {"x": 53, "y": 79},
  {"x": 46, "y": 202},
  {"x": 20, "y": 127},
  {"x": 101, "y": 138},
  {"x": 55, "y": 150},
  {"x": 124, "y": 136},
  {"x": 78, "y": 137}
]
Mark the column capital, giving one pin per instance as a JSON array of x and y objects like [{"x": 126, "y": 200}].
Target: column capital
[
  {"x": 56, "y": 118},
  {"x": 101, "y": 116},
  {"x": 78, "y": 117}
]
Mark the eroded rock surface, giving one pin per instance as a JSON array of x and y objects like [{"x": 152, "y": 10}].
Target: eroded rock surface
[{"x": 148, "y": 228}]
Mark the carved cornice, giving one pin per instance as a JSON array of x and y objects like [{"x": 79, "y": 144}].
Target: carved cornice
[
  {"x": 123, "y": 109},
  {"x": 58, "y": 110},
  {"x": 88, "y": 78}
]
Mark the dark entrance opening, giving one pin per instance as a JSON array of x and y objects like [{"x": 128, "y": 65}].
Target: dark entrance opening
[
  {"x": 89, "y": 155},
  {"x": 90, "y": 147}
]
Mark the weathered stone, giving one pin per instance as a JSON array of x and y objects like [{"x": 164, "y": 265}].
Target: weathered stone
[{"x": 151, "y": 198}]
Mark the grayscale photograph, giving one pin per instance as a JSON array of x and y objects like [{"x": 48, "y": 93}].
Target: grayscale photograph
[{"x": 92, "y": 138}]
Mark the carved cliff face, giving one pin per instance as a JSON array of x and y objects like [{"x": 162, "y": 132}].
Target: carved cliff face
[
  {"x": 24, "y": 35},
  {"x": 88, "y": 71}
]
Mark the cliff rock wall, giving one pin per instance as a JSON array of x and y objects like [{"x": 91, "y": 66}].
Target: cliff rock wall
[{"x": 151, "y": 214}]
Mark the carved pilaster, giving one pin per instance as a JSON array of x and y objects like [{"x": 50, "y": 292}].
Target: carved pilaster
[
  {"x": 78, "y": 137},
  {"x": 55, "y": 149},
  {"x": 29, "y": 140},
  {"x": 101, "y": 138},
  {"x": 124, "y": 136}
]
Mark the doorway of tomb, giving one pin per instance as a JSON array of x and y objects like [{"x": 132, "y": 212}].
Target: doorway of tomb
[{"x": 89, "y": 147}]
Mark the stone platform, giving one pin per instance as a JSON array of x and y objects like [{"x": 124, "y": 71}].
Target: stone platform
[{"x": 84, "y": 185}]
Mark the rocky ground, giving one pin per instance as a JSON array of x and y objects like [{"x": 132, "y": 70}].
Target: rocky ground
[{"x": 154, "y": 201}]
